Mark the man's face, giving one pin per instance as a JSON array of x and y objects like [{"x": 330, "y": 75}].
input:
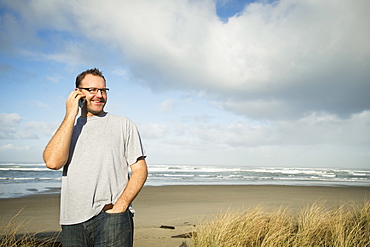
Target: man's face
[{"x": 94, "y": 102}]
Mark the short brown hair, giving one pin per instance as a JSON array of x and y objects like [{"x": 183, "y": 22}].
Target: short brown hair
[{"x": 81, "y": 76}]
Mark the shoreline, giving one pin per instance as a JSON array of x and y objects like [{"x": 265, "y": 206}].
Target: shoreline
[
  {"x": 51, "y": 190},
  {"x": 183, "y": 206}
]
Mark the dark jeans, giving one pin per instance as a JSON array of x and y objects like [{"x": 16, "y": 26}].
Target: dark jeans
[{"x": 102, "y": 230}]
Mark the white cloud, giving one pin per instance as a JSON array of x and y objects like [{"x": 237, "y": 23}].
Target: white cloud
[
  {"x": 153, "y": 131},
  {"x": 310, "y": 55},
  {"x": 9, "y": 123},
  {"x": 11, "y": 147},
  {"x": 301, "y": 67},
  {"x": 120, "y": 72},
  {"x": 314, "y": 129},
  {"x": 54, "y": 79},
  {"x": 40, "y": 128},
  {"x": 15, "y": 127},
  {"x": 318, "y": 139},
  {"x": 167, "y": 105},
  {"x": 40, "y": 104}
]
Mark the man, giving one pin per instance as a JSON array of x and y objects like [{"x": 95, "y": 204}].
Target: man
[{"x": 95, "y": 152}]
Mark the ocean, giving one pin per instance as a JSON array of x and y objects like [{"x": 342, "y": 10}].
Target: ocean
[{"x": 17, "y": 180}]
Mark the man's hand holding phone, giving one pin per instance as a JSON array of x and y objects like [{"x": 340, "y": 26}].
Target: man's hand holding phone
[
  {"x": 82, "y": 102},
  {"x": 73, "y": 102}
]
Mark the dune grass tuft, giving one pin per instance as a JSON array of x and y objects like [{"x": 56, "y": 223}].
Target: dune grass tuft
[
  {"x": 316, "y": 225},
  {"x": 14, "y": 234}
]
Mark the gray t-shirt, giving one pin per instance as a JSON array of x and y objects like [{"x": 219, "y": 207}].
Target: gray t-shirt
[{"x": 96, "y": 173}]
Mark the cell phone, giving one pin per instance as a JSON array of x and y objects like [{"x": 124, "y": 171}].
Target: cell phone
[{"x": 81, "y": 102}]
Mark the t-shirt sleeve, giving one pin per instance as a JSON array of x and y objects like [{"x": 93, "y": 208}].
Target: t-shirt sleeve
[{"x": 133, "y": 144}]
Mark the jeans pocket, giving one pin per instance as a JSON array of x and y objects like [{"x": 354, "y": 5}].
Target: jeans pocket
[{"x": 116, "y": 228}]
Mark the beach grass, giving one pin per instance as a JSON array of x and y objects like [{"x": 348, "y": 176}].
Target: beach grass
[
  {"x": 315, "y": 225},
  {"x": 15, "y": 234}
]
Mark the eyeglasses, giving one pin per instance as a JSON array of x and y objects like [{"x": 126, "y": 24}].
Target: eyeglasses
[{"x": 93, "y": 90}]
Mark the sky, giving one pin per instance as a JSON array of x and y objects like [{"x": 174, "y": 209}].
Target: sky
[{"x": 207, "y": 82}]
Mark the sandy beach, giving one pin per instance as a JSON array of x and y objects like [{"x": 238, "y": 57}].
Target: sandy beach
[{"x": 182, "y": 207}]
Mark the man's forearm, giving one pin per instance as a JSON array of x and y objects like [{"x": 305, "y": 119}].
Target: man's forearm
[
  {"x": 57, "y": 151},
  {"x": 134, "y": 185}
]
